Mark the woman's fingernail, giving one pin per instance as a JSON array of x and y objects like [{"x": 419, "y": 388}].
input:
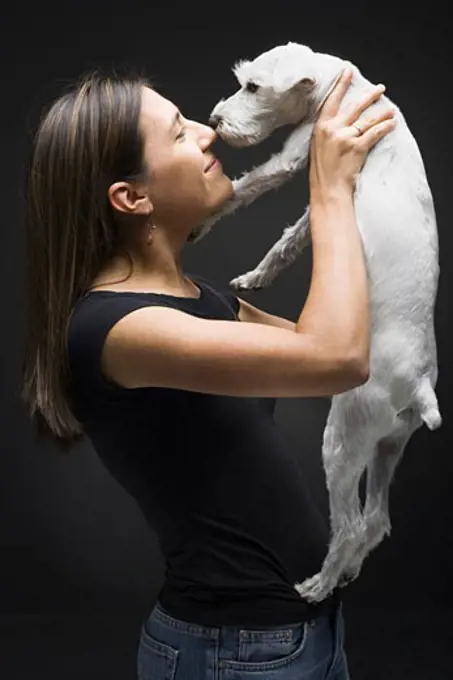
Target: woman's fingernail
[{"x": 380, "y": 87}]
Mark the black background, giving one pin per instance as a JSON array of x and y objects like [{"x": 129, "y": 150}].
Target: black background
[{"x": 79, "y": 569}]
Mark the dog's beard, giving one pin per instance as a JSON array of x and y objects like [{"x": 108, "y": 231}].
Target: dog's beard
[
  {"x": 233, "y": 136},
  {"x": 240, "y": 142}
]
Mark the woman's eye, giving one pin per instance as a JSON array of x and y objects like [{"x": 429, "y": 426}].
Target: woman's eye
[
  {"x": 252, "y": 87},
  {"x": 182, "y": 133}
]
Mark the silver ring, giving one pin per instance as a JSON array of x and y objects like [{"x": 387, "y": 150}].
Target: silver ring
[{"x": 357, "y": 128}]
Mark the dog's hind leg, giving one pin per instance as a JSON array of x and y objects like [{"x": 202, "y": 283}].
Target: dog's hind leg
[
  {"x": 380, "y": 471},
  {"x": 347, "y": 446},
  {"x": 291, "y": 244}
]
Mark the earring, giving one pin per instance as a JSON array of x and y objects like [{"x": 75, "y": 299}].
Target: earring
[{"x": 149, "y": 240}]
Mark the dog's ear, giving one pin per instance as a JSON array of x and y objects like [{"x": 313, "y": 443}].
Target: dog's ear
[
  {"x": 308, "y": 83},
  {"x": 294, "y": 69},
  {"x": 291, "y": 81}
]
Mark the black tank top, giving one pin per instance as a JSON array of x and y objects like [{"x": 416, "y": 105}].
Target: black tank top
[{"x": 213, "y": 475}]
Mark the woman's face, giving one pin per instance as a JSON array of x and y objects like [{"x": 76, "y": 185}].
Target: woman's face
[{"x": 185, "y": 187}]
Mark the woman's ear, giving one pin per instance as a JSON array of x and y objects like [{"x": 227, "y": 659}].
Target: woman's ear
[{"x": 129, "y": 198}]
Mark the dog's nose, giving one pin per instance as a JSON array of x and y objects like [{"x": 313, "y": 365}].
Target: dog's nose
[{"x": 214, "y": 121}]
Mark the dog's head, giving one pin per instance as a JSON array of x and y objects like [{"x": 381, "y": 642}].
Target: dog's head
[{"x": 282, "y": 86}]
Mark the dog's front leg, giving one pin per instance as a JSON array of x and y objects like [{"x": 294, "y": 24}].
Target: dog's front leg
[
  {"x": 249, "y": 187},
  {"x": 292, "y": 242},
  {"x": 269, "y": 175}
]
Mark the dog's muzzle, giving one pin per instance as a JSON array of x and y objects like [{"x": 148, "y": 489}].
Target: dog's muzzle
[{"x": 214, "y": 121}]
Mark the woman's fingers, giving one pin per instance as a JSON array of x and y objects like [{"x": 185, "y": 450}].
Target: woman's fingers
[
  {"x": 355, "y": 110},
  {"x": 366, "y": 124},
  {"x": 330, "y": 110},
  {"x": 341, "y": 141},
  {"x": 368, "y": 139}
]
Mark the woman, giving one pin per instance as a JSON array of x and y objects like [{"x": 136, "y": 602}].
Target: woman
[{"x": 178, "y": 401}]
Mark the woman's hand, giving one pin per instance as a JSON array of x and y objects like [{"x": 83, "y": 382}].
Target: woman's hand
[{"x": 338, "y": 148}]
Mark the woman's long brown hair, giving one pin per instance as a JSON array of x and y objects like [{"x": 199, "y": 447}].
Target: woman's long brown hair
[{"x": 88, "y": 139}]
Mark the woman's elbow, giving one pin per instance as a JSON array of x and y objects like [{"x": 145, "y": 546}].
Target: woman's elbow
[{"x": 356, "y": 371}]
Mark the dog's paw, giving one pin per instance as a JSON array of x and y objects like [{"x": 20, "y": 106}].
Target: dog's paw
[
  {"x": 249, "y": 281},
  {"x": 315, "y": 588}
]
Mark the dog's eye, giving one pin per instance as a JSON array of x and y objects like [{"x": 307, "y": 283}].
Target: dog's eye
[{"x": 251, "y": 87}]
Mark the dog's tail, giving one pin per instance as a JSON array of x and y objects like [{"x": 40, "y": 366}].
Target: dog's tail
[{"x": 426, "y": 401}]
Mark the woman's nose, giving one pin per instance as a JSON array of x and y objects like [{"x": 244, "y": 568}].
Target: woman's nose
[{"x": 207, "y": 135}]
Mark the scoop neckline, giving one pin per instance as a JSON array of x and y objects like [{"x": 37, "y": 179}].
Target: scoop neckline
[{"x": 149, "y": 292}]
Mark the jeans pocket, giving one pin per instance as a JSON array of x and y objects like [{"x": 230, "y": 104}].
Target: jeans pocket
[
  {"x": 266, "y": 650},
  {"x": 155, "y": 660}
]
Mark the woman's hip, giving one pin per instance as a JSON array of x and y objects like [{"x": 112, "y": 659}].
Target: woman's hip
[{"x": 171, "y": 649}]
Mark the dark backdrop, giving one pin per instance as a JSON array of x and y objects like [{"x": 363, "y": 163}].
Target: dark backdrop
[{"x": 73, "y": 544}]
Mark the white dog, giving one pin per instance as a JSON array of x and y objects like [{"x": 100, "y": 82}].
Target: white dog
[{"x": 367, "y": 427}]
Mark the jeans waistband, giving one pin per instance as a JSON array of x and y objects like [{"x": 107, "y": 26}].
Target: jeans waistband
[{"x": 212, "y": 632}]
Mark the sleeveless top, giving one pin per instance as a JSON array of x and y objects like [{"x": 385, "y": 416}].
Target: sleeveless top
[{"x": 213, "y": 475}]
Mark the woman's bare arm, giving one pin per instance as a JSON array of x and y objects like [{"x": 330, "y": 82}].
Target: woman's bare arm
[{"x": 164, "y": 347}]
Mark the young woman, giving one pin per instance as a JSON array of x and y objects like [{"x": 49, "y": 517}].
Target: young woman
[{"x": 174, "y": 381}]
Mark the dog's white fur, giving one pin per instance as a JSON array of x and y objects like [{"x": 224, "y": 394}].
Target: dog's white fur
[{"x": 367, "y": 427}]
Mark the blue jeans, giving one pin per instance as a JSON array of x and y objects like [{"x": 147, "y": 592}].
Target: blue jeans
[{"x": 170, "y": 649}]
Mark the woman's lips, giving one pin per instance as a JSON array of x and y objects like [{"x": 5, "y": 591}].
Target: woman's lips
[{"x": 214, "y": 165}]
